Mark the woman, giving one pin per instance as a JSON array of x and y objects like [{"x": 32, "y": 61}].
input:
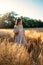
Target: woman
[{"x": 19, "y": 33}]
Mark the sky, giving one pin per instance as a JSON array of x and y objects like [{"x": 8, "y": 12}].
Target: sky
[{"x": 29, "y": 8}]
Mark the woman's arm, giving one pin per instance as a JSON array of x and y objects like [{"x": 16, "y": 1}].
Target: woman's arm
[
  {"x": 24, "y": 34},
  {"x": 15, "y": 30}
]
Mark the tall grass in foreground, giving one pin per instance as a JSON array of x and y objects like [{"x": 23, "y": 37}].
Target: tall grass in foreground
[{"x": 13, "y": 54}]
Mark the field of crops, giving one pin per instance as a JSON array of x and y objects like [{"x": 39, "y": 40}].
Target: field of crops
[{"x": 13, "y": 54}]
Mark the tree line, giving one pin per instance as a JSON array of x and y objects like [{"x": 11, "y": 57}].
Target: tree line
[{"x": 8, "y": 20}]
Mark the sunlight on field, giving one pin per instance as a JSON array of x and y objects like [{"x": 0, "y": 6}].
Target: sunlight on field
[
  {"x": 9, "y": 31},
  {"x": 28, "y": 33},
  {"x": 34, "y": 34},
  {"x": 13, "y": 54}
]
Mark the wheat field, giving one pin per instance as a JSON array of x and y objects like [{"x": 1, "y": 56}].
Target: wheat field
[{"x": 13, "y": 54}]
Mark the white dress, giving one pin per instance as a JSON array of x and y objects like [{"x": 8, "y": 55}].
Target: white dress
[{"x": 20, "y": 38}]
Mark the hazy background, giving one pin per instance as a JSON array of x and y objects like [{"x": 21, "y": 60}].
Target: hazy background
[{"x": 29, "y": 8}]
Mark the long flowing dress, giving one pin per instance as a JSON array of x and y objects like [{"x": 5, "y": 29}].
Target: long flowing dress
[{"x": 20, "y": 38}]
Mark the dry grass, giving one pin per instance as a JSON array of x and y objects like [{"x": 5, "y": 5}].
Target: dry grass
[{"x": 13, "y": 54}]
